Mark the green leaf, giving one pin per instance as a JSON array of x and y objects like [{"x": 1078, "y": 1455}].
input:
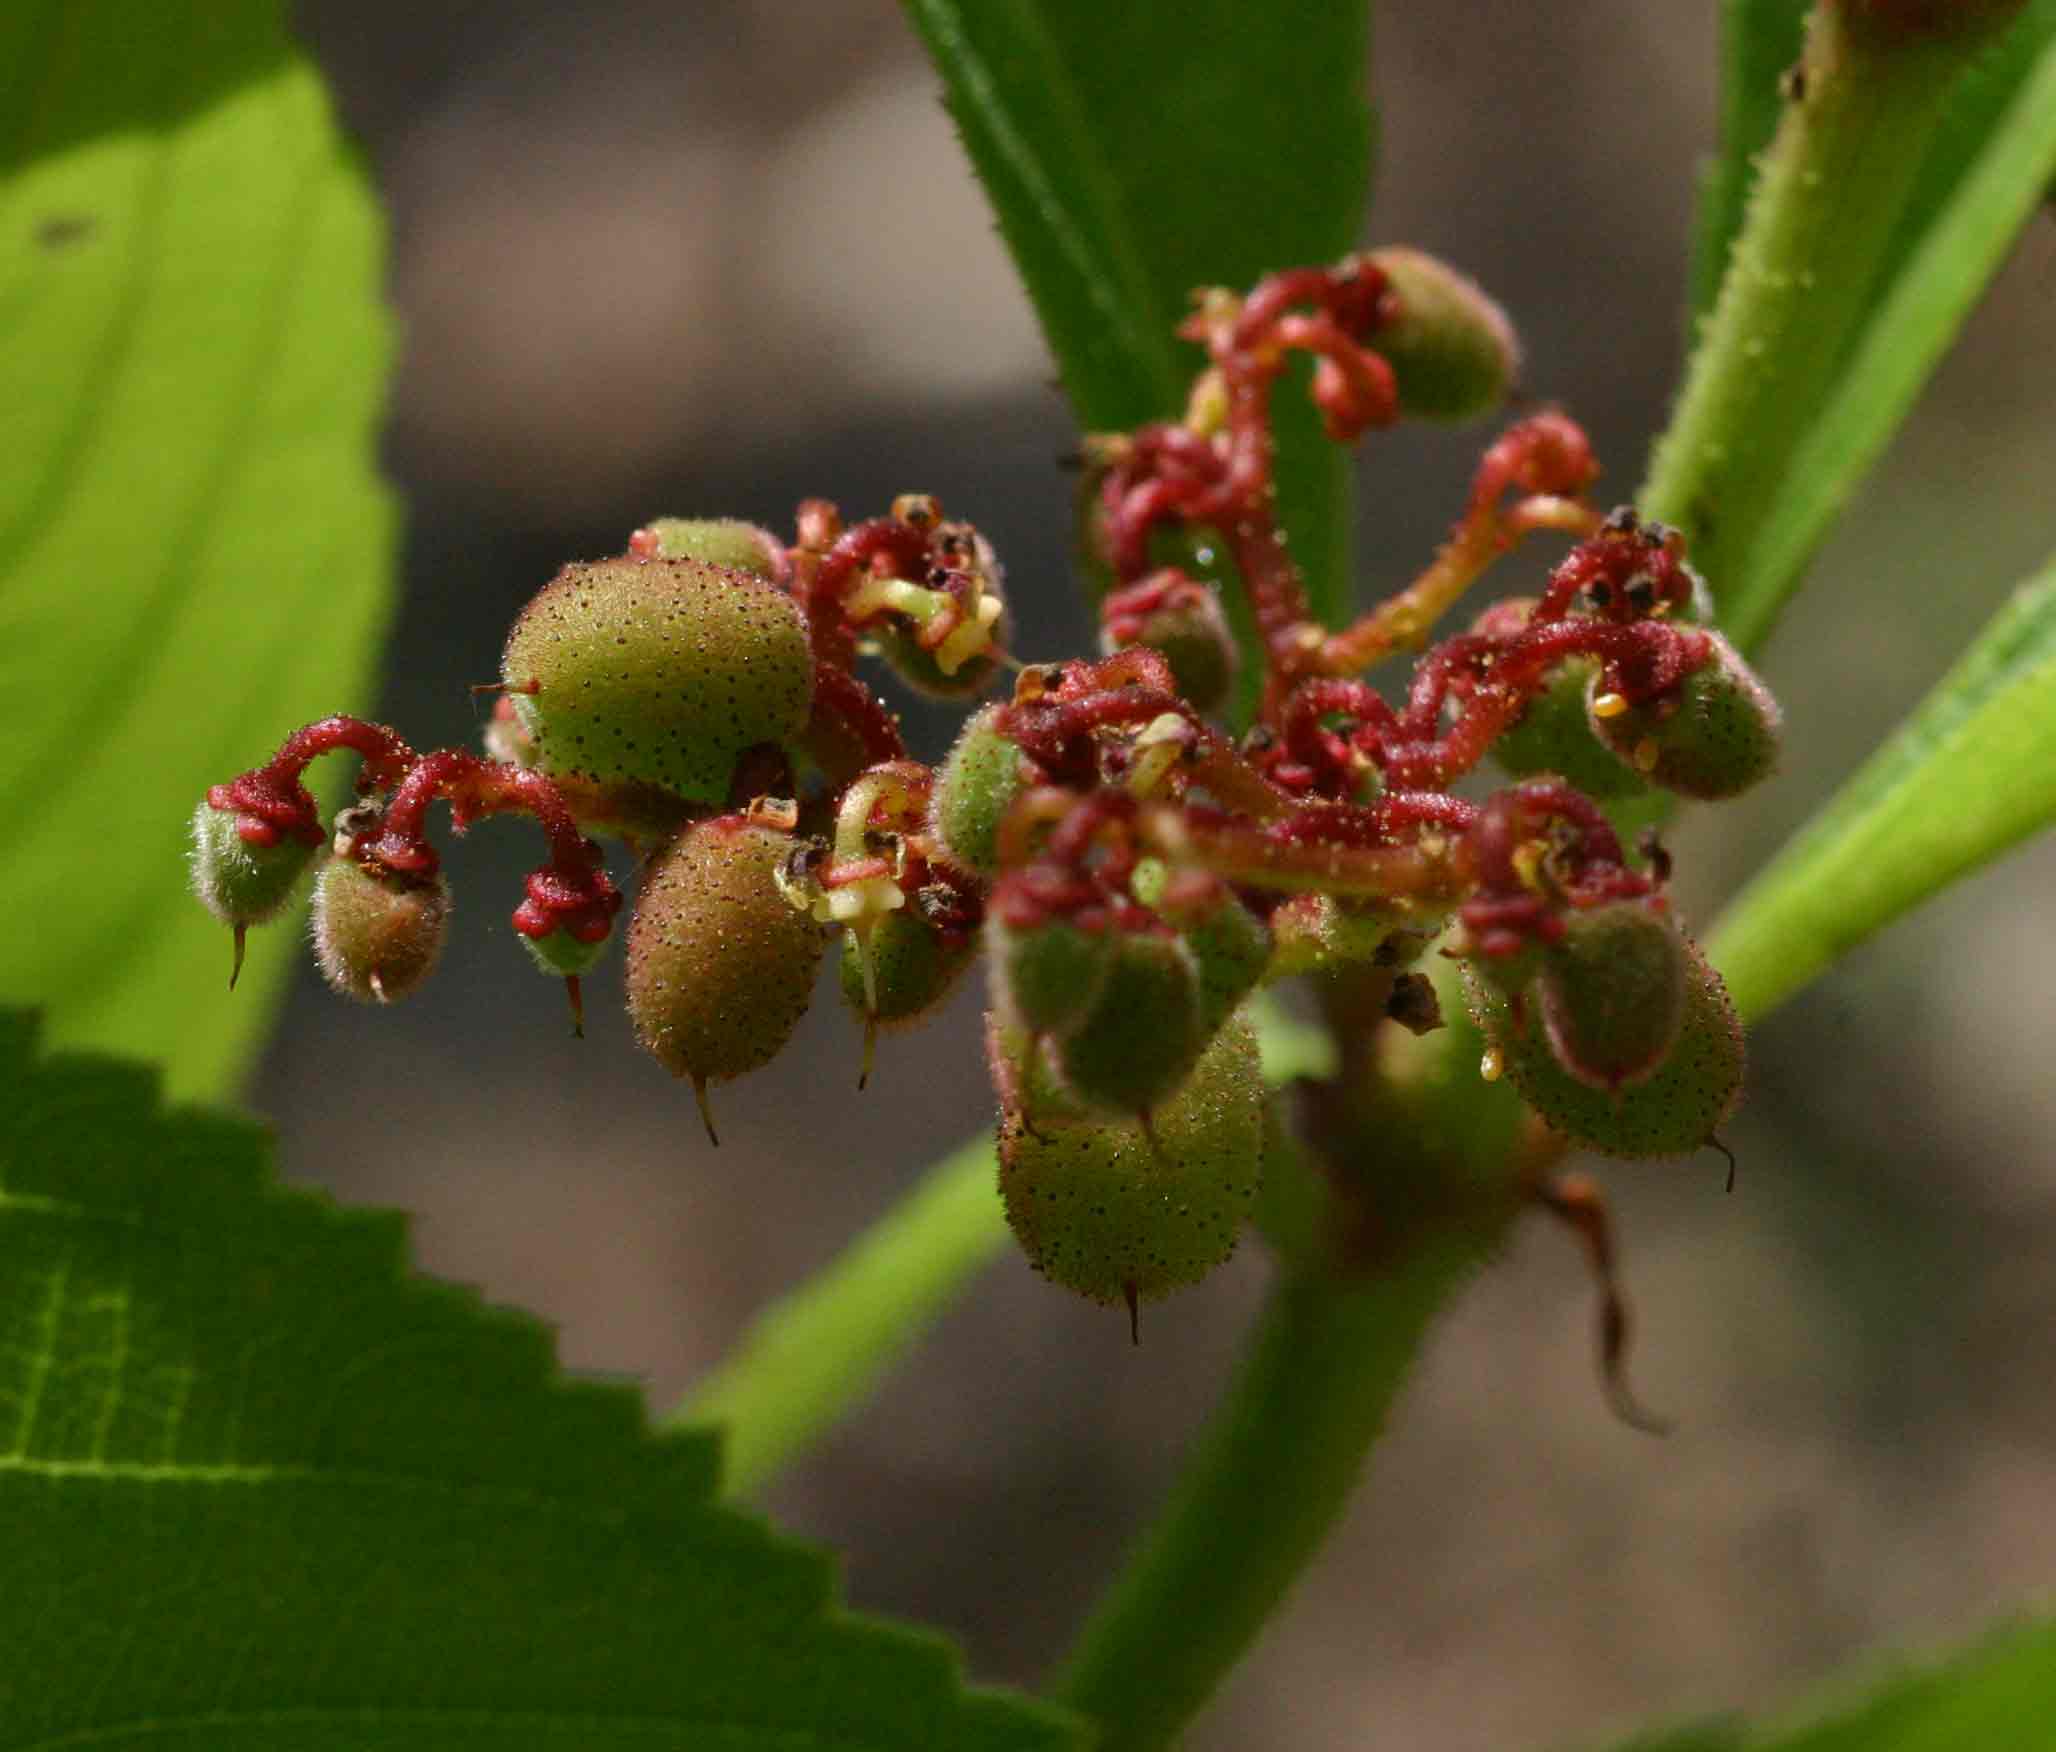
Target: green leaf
[
  {"x": 262, "y": 1487},
  {"x": 2001, "y": 1693},
  {"x": 1972, "y": 772},
  {"x": 1130, "y": 159},
  {"x": 194, "y": 548},
  {"x": 1981, "y": 183},
  {"x": 1759, "y": 40}
]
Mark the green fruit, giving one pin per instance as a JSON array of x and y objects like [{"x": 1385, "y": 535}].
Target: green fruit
[
  {"x": 377, "y": 935},
  {"x": 1713, "y": 736},
  {"x": 1672, "y": 1112},
  {"x": 720, "y": 964},
  {"x": 978, "y": 784},
  {"x": 719, "y": 541},
  {"x": 1452, "y": 350},
  {"x": 1046, "y": 976},
  {"x": 1142, "y": 1034},
  {"x": 239, "y": 881},
  {"x": 657, "y": 671},
  {"x": 1120, "y": 1216},
  {"x": 913, "y": 967},
  {"x": 1612, "y": 993},
  {"x": 1554, "y": 735}
]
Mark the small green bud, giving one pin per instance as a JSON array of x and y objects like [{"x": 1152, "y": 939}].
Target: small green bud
[
  {"x": 1046, "y": 976},
  {"x": 243, "y": 881},
  {"x": 1189, "y": 629},
  {"x": 718, "y": 541},
  {"x": 1612, "y": 993},
  {"x": 1675, "y": 1110},
  {"x": 1451, "y": 348},
  {"x": 1140, "y": 1037},
  {"x": 978, "y": 784},
  {"x": 720, "y": 964},
  {"x": 377, "y": 935},
  {"x": 1713, "y": 736},
  {"x": 657, "y": 671},
  {"x": 1120, "y": 1215},
  {"x": 562, "y": 954}
]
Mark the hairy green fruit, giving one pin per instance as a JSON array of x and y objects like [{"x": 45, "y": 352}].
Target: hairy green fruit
[
  {"x": 1045, "y": 977},
  {"x": 913, "y": 967},
  {"x": 240, "y": 882},
  {"x": 720, "y": 964},
  {"x": 1674, "y": 1111},
  {"x": 978, "y": 784},
  {"x": 1715, "y": 735},
  {"x": 1142, "y": 1034},
  {"x": 1451, "y": 348},
  {"x": 1612, "y": 993},
  {"x": 377, "y": 935},
  {"x": 1120, "y": 1216},
  {"x": 657, "y": 671},
  {"x": 719, "y": 541}
]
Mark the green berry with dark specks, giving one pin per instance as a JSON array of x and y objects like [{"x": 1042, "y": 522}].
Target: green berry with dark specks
[
  {"x": 1113, "y": 1213},
  {"x": 657, "y": 671},
  {"x": 720, "y": 963}
]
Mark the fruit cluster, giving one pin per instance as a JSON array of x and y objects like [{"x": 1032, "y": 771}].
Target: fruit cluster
[{"x": 1131, "y": 872}]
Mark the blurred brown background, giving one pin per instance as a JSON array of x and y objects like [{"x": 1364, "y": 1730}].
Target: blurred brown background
[{"x": 712, "y": 258}]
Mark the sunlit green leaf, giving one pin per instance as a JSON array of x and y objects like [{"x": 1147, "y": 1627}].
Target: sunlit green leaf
[
  {"x": 260, "y": 1487},
  {"x": 194, "y": 547}
]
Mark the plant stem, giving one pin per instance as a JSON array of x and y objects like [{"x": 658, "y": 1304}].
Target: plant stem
[
  {"x": 1269, "y": 1478},
  {"x": 1801, "y": 284},
  {"x": 814, "y": 1355}
]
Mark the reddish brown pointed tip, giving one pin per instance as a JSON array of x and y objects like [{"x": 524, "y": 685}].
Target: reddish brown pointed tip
[
  {"x": 235, "y": 971},
  {"x": 1730, "y": 1154},
  {"x": 1128, "y": 1290},
  {"x": 870, "y": 1050},
  {"x": 699, "y": 1094},
  {"x": 576, "y": 994}
]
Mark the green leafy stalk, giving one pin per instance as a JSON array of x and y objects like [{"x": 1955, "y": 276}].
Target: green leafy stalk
[
  {"x": 1759, "y": 39},
  {"x": 1835, "y": 187},
  {"x": 1971, "y": 773},
  {"x": 1266, "y": 1482},
  {"x": 813, "y": 1356},
  {"x": 1904, "y": 341}
]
